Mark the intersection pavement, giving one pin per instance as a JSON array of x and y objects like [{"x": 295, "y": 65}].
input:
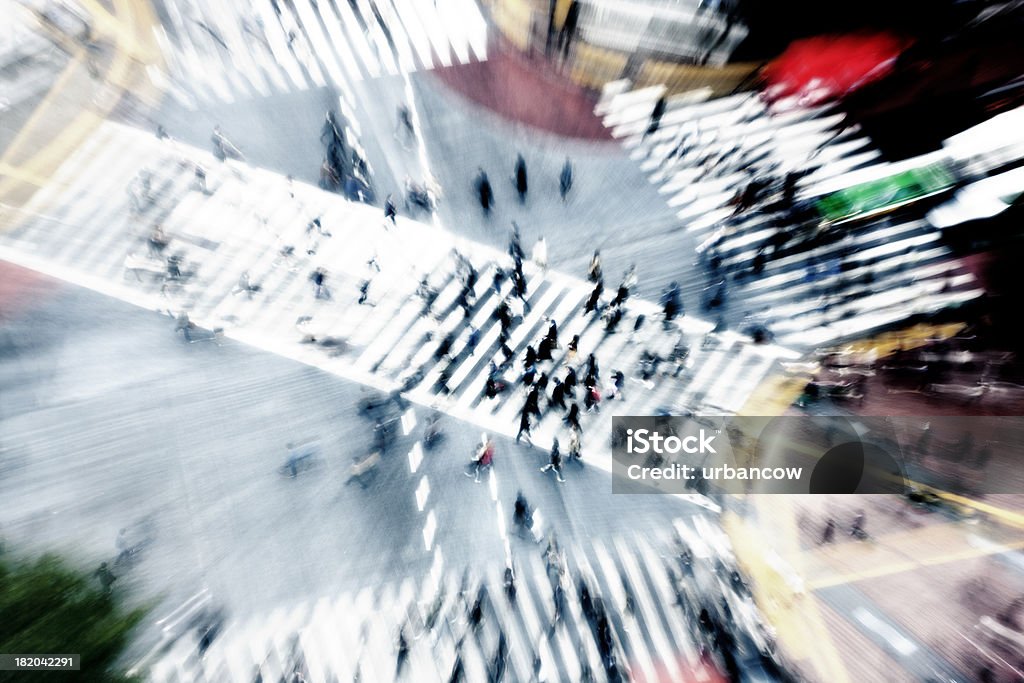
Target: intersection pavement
[{"x": 91, "y": 226}]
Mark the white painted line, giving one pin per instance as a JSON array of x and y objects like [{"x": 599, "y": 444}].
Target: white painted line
[
  {"x": 891, "y": 635},
  {"x": 422, "y": 493},
  {"x": 428, "y": 531},
  {"x": 408, "y": 421},
  {"x": 415, "y": 457},
  {"x": 502, "y": 531}
]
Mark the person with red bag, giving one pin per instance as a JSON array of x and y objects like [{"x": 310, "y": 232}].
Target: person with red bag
[{"x": 482, "y": 460}]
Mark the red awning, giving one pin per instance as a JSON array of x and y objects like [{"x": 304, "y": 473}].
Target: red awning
[{"x": 823, "y": 68}]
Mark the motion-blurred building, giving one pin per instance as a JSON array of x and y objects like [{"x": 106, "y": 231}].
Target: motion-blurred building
[{"x": 682, "y": 44}]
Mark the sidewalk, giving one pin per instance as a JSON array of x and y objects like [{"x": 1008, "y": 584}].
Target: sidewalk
[
  {"x": 527, "y": 91},
  {"x": 77, "y": 102}
]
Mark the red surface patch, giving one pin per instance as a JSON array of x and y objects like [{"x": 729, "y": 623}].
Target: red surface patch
[
  {"x": 527, "y": 91},
  {"x": 21, "y": 288}
]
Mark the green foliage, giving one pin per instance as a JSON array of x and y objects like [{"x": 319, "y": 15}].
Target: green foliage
[{"x": 48, "y": 607}]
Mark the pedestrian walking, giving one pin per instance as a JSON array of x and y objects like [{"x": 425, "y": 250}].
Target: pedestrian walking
[
  {"x": 619, "y": 380},
  {"x": 544, "y": 349},
  {"x": 542, "y": 382},
  {"x": 557, "y": 399},
  {"x": 510, "y": 581},
  {"x": 200, "y": 182},
  {"x": 317, "y": 225},
  {"x": 520, "y": 178},
  {"x": 499, "y": 279},
  {"x": 504, "y": 315},
  {"x": 389, "y": 210},
  {"x": 656, "y": 114},
  {"x": 522, "y": 517},
  {"x": 593, "y": 375},
  {"x": 558, "y": 598},
  {"x": 595, "y": 298},
  {"x": 572, "y": 350},
  {"x": 592, "y": 399},
  {"x": 540, "y": 254},
  {"x": 857, "y": 528},
  {"x": 529, "y": 375},
  {"x": 572, "y": 418},
  {"x": 519, "y": 282},
  {"x": 403, "y": 652},
  {"x": 524, "y": 427},
  {"x": 319, "y": 278},
  {"x": 106, "y": 577},
  {"x": 404, "y": 130},
  {"x": 670, "y": 302},
  {"x": 515, "y": 244},
  {"x": 364, "y": 293},
  {"x": 594, "y": 273},
  {"x": 552, "y": 335},
  {"x": 245, "y": 285},
  {"x": 483, "y": 459},
  {"x": 530, "y": 359},
  {"x": 565, "y": 179},
  {"x": 570, "y": 382},
  {"x": 493, "y": 386},
  {"x": 532, "y": 405},
  {"x": 157, "y": 242},
  {"x": 575, "y": 448},
  {"x": 829, "y": 534},
  {"x": 472, "y": 340},
  {"x": 612, "y": 318},
  {"x": 554, "y": 461},
  {"x": 484, "y": 191}
]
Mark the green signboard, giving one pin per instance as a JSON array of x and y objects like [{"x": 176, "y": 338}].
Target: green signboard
[{"x": 885, "y": 194}]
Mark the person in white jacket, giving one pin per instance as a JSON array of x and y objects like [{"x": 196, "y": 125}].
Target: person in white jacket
[{"x": 540, "y": 254}]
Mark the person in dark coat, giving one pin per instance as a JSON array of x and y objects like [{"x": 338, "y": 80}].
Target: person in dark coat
[
  {"x": 570, "y": 382},
  {"x": 389, "y": 210},
  {"x": 656, "y": 114},
  {"x": 670, "y": 302},
  {"x": 524, "y": 427},
  {"x": 106, "y": 577},
  {"x": 544, "y": 349},
  {"x": 572, "y": 418},
  {"x": 593, "y": 371},
  {"x": 504, "y": 314},
  {"x": 484, "y": 191},
  {"x": 532, "y": 405},
  {"x": 554, "y": 461},
  {"x": 520, "y": 177},
  {"x": 595, "y": 298},
  {"x": 552, "y": 335},
  {"x": 557, "y": 395},
  {"x": 565, "y": 179},
  {"x": 515, "y": 246},
  {"x": 531, "y": 358}
]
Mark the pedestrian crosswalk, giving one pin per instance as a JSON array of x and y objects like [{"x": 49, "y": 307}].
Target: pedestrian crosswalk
[
  {"x": 704, "y": 153},
  {"x": 247, "y": 246},
  {"x": 230, "y": 51},
  {"x": 355, "y": 635}
]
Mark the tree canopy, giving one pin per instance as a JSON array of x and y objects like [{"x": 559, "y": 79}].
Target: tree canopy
[{"x": 48, "y": 606}]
